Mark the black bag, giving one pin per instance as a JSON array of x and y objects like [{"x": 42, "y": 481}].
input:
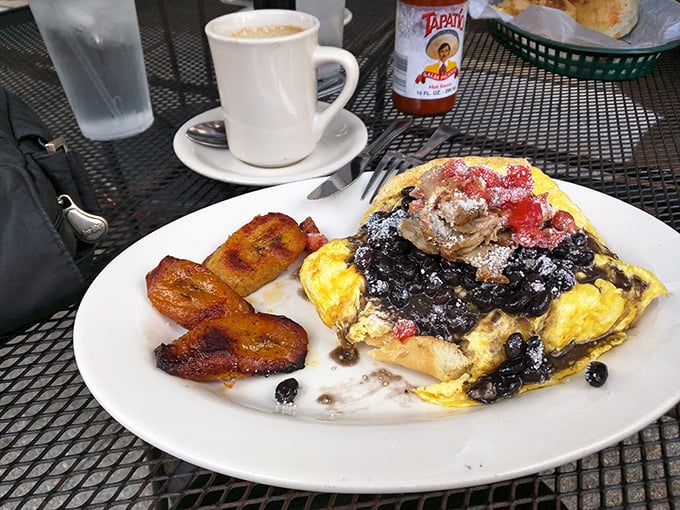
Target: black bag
[{"x": 46, "y": 237}]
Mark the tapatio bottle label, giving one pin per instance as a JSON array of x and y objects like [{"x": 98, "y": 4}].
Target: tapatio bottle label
[{"x": 427, "y": 54}]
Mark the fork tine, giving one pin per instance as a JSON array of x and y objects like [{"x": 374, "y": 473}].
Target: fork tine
[
  {"x": 398, "y": 167},
  {"x": 386, "y": 160}
]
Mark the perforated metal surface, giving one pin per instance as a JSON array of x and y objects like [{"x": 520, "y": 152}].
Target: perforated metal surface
[{"x": 59, "y": 449}]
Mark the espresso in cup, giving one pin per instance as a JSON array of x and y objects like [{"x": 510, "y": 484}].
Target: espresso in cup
[{"x": 265, "y": 65}]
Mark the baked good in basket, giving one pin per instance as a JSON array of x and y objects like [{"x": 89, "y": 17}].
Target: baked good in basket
[
  {"x": 614, "y": 18},
  {"x": 482, "y": 273}
]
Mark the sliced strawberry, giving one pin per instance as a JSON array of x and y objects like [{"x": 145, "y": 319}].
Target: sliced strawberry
[
  {"x": 519, "y": 176},
  {"x": 564, "y": 222},
  {"x": 538, "y": 238},
  {"x": 526, "y": 214},
  {"x": 490, "y": 177},
  {"x": 315, "y": 241},
  {"x": 455, "y": 168},
  {"x": 405, "y": 328},
  {"x": 475, "y": 187}
]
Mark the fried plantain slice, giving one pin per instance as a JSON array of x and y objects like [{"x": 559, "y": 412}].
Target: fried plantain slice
[
  {"x": 237, "y": 346},
  {"x": 188, "y": 292},
  {"x": 257, "y": 252}
]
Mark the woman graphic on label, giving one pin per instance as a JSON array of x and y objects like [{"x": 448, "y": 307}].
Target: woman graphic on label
[{"x": 441, "y": 47}]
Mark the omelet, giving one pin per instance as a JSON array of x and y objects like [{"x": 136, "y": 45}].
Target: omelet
[{"x": 483, "y": 274}]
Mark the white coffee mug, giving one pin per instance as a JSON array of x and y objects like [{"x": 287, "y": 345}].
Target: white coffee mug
[{"x": 267, "y": 83}]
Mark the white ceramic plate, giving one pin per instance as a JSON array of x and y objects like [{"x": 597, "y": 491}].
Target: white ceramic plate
[
  {"x": 343, "y": 139},
  {"x": 373, "y": 437}
]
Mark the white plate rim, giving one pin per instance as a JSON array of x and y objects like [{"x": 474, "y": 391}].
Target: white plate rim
[
  {"x": 433, "y": 454},
  {"x": 344, "y": 138}
]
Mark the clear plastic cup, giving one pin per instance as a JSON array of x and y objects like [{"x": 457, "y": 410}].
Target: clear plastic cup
[{"x": 97, "y": 52}]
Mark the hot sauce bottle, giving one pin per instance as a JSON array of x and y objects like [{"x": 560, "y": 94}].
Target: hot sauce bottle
[{"x": 428, "y": 46}]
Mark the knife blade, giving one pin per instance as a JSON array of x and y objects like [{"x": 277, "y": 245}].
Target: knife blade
[{"x": 342, "y": 178}]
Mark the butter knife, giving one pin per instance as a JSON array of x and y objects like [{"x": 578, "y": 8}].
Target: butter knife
[{"x": 342, "y": 178}]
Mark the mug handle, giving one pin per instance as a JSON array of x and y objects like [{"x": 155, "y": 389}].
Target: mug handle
[{"x": 333, "y": 55}]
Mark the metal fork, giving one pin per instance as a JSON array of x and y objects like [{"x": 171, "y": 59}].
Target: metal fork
[{"x": 394, "y": 162}]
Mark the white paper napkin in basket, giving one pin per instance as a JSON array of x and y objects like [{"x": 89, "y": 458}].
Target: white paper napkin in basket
[{"x": 658, "y": 25}]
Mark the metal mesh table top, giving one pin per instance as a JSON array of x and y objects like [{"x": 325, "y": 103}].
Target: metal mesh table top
[{"x": 59, "y": 449}]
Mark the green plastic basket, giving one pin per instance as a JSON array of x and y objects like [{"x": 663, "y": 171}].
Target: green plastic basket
[{"x": 577, "y": 61}]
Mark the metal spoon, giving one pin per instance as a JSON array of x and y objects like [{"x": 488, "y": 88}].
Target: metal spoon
[{"x": 210, "y": 133}]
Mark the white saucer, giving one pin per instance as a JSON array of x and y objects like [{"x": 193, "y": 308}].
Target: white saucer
[{"x": 343, "y": 139}]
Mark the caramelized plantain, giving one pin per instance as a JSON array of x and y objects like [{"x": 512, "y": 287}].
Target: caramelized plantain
[
  {"x": 188, "y": 292},
  {"x": 257, "y": 252},
  {"x": 233, "y": 347}
]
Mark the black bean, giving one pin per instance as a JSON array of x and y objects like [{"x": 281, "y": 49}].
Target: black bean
[
  {"x": 511, "y": 366},
  {"x": 581, "y": 257},
  {"x": 540, "y": 374},
  {"x": 399, "y": 297},
  {"x": 596, "y": 373},
  {"x": 443, "y": 296},
  {"x": 515, "y": 279},
  {"x": 433, "y": 283},
  {"x": 534, "y": 353},
  {"x": 514, "y": 346},
  {"x": 482, "y": 298},
  {"x": 508, "y": 386},
  {"x": 384, "y": 265},
  {"x": 286, "y": 391},
  {"x": 415, "y": 288},
  {"x": 517, "y": 302},
  {"x": 463, "y": 323},
  {"x": 363, "y": 257},
  {"x": 377, "y": 287},
  {"x": 399, "y": 247},
  {"x": 430, "y": 266},
  {"x": 579, "y": 239},
  {"x": 484, "y": 390},
  {"x": 533, "y": 283},
  {"x": 540, "y": 303},
  {"x": 409, "y": 271}
]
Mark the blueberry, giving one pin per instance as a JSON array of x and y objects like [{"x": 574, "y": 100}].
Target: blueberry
[{"x": 596, "y": 373}]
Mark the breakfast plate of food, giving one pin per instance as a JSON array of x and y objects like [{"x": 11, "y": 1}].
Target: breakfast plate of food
[
  {"x": 344, "y": 138},
  {"x": 259, "y": 342}
]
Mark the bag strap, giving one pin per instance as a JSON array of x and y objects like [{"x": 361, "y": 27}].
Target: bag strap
[{"x": 67, "y": 174}]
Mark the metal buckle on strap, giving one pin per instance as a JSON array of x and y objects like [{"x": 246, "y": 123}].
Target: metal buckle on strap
[
  {"x": 55, "y": 144},
  {"x": 87, "y": 227}
]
